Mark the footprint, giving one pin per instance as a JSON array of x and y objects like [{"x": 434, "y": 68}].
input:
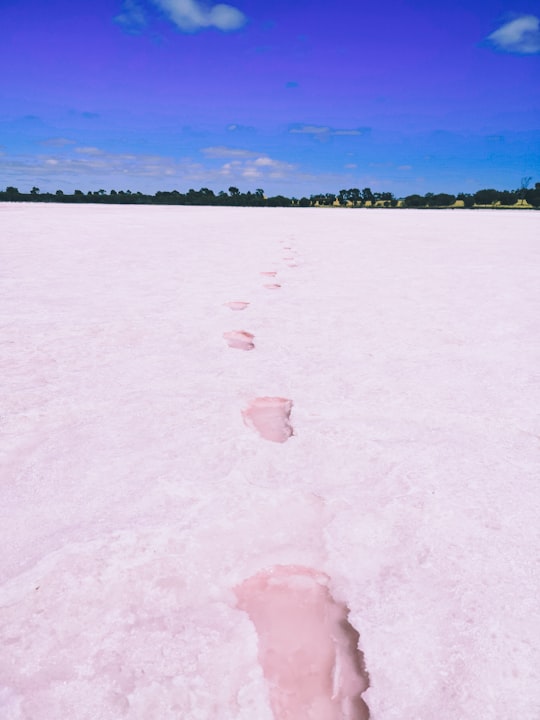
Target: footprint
[
  {"x": 308, "y": 650},
  {"x": 237, "y": 305},
  {"x": 269, "y": 273},
  {"x": 269, "y": 416},
  {"x": 272, "y": 286},
  {"x": 288, "y": 259},
  {"x": 239, "y": 339}
]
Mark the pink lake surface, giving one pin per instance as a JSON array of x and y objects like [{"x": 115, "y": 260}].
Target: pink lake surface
[{"x": 141, "y": 517}]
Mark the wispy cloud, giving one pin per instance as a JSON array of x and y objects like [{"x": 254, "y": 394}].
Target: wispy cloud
[
  {"x": 192, "y": 15},
  {"x": 90, "y": 166},
  {"x": 521, "y": 36},
  {"x": 221, "y": 151},
  {"x": 257, "y": 168},
  {"x": 58, "y": 142},
  {"x": 89, "y": 151},
  {"x": 310, "y": 129},
  {"x": 132, "y": 18},
  {"x": 324, "y": 131}
]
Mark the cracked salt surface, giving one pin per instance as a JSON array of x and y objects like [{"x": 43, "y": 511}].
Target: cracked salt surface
[{"x": 136, "y": 503}]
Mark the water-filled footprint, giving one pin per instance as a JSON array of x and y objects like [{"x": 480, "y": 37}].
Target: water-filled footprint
[
  {"x": 236, "y": 305},
  {"x": 239, "y": 339},
  {"x": 269, "y": 416},
  {"x": 308, "y": 650}
]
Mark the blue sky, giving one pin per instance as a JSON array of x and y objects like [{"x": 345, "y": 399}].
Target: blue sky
[{"x": 293, "y": 97}]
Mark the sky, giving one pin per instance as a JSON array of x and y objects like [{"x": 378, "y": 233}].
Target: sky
[{"x": 294, "y": 97}]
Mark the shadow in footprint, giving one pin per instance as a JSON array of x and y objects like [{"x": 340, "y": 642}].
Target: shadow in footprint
[
  {"x": 236, "y": 305},
  {"x": 269, "y": 416},
  {"x": 308, "y": 650},
  {"x": 272, "y": 286},
  {"x": 239, "y": 339}
]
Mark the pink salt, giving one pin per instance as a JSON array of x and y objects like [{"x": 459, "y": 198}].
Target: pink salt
[
  {"x": 307, "y": 648},
  {"x": 269, "y": 273},
  {"x": 269, "y": 416}
]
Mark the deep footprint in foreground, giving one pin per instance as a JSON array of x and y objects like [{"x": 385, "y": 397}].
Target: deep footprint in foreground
[
  {"x": 269, "y": 416},
  {"x": 308, "y": 650},
  {"x": 237, "y": 305},
  {"x": 239, "y": 339}
]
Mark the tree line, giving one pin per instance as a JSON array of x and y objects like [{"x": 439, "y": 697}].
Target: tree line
[{"x": 353, "y": 197}]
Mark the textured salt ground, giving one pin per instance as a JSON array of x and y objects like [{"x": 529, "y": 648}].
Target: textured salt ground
[{"x": 135, "y": 500}]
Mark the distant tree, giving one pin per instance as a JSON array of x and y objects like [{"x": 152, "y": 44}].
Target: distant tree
[
  {"x": 234, "y": 191},
  {"x": 486, "y": 197},
  {"x": 414, "y": 201},
  {"x": 259, "y": 192},
  {"x": 509, "y": 197},
  {"x": 467, "y": 199},
  {"x": 34, "y": 191},
  {"x": 524, "y": 186},
  {"x": 355, "y": 196},
  {"x": 278, "y": 201},
  {"x": 343, "y": 197},
  {"x": 329, "y": 199},
  {"x": 367, "y": 195},
  {"x": 388, "y": 199},
  {"x": 304, "y": 202},
  {"x": 439, "y": 200},
  {"x": 533, "y": 196}
]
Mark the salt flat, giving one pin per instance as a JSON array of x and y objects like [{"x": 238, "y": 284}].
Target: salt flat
[{"x": 146, "y": 481}]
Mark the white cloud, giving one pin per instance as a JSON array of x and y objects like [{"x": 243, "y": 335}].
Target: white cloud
[
  {"x": 260, "y": 168},
  {"x": 220, "y": 151},
  {"x": 90, "y": 167},
  {"x": 521, "y": 35},
  {"x": 192, "y": 15},
  {"x": 347, "y": 132},
  {"x": 323, "y": 131},
  {"x": 310, "y": 129},
  {"x": 89, "y": 151}
]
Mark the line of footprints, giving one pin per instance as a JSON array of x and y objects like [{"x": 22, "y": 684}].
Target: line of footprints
[
  {"x": 291, "y": 606},
  {"x": 269, "y": 416}
]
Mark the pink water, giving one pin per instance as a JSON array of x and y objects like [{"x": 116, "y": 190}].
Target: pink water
[{"x": 307, "y": 649}]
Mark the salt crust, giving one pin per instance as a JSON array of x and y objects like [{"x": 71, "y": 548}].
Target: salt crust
[{"x": 135, "y": 499}]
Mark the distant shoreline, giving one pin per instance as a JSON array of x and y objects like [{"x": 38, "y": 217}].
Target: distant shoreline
[{"x": 522, "y": 199}]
